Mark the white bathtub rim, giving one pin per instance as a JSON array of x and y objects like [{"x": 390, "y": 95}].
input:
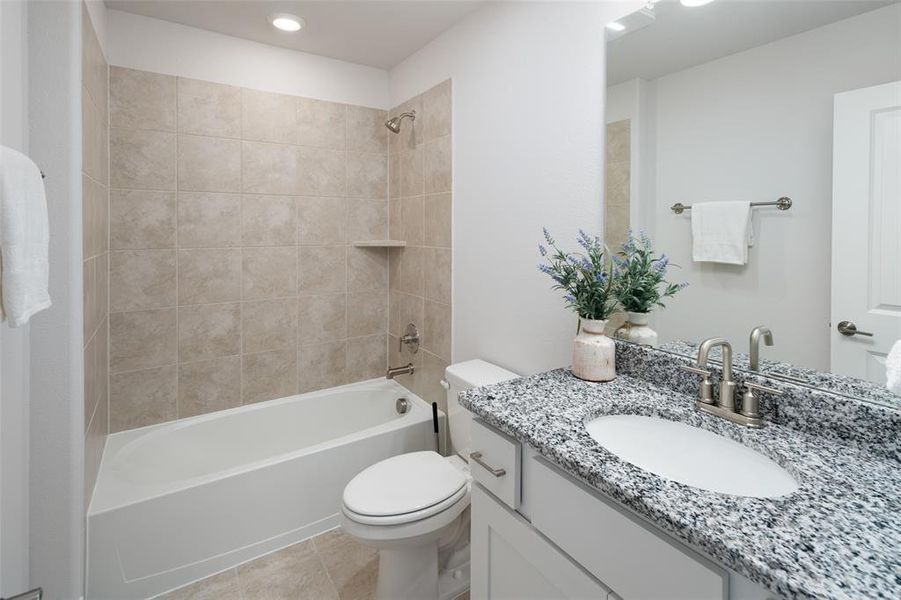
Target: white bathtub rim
[{"x": 117, "y": 441}]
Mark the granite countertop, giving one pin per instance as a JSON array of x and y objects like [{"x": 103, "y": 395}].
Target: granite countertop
[{"x": 838, "y": 536}]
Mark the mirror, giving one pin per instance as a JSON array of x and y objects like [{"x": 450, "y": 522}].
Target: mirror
[{"x": 753, "y": 102}]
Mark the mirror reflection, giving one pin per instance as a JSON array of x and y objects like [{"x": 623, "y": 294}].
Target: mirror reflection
[{"x": 760, "y": 150}]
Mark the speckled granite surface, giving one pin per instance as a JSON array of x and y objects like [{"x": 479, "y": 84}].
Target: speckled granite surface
[
  {"x": 830, "y": 382},
  {"x": 838, "y": 537}
]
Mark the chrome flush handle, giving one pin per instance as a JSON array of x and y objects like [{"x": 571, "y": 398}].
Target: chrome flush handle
[{"x": 477, "y": 457}]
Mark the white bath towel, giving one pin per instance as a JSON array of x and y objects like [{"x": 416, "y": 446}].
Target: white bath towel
[
  {"x": 721, "y": 232},
  {"x": 893, "y": 369},
  {"x": 24, "y": 238}
]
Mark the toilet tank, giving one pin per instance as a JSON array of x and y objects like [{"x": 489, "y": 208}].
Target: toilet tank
[{"x": 461, "y": 377}]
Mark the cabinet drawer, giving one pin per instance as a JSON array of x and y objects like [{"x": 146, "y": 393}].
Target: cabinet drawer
[
  {"x": 512, "y": 561},
  {"x": 617, "y": 548},
  {"x": 495, "y": 461}
]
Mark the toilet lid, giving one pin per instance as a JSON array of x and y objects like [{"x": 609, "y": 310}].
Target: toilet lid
[{"x": 403, "y": 484}]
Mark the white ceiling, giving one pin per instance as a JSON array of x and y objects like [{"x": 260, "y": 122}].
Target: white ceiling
[
  {"x": 682, "y": 37},
  {"x": 378, "y": 33}
]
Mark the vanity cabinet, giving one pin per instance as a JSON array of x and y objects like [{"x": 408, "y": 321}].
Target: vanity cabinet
[{"x": 554, "y": 537}]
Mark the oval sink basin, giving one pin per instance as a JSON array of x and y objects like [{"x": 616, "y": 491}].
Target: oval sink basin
[{"x": 692, "y": 456}]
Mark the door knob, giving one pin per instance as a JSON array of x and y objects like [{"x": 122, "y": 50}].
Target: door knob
[{"x": 849, "y": 328}]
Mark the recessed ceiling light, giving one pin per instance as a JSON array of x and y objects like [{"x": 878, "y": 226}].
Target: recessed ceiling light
[
  {"x": 615, "y": 26},
  {"x": 694, "y": 3},
  {"x": 286, "y": 22}
]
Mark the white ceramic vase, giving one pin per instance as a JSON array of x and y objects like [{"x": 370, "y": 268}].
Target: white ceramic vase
[
  {"x": 636, "y": 330},
  {"x": 594, "y": 354}
]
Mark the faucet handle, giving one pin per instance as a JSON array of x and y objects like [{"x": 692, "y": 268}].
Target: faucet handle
[
  {"x": 750, "y": 403},
  {"x": 696, "y": 370},
  {"x": 705, "y": 394},
  {"x": 763, "y": 388}
]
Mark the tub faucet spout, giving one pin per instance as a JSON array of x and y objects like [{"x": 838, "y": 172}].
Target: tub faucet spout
[{"x": 395, "y": 371}]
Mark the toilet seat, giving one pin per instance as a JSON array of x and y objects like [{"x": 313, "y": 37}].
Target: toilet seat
[{"x": 403, "y": 489}]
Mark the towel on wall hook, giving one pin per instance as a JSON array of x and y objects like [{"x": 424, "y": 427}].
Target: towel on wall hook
[{"x": 24, "y": 239}]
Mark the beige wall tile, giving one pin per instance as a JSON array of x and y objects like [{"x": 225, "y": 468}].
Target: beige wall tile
[
  {"x": 270, "y": 117},
  {"x": 269, "y": 220},
  {"x": 322, "y": 269},
  {"x": 367, "y": 175},
  {"x": 206, "y": 276},
  {"x": 321, "y": 220},
  {"x": 321, "y": 172},
  {"x": 269, "y": 168},
  {"x": 437, "y": 274},
  {"x": 141, "y": 219},
  {"x": 89, "y": 298},
  {"x": 411, "y": 172},
  {"x": 428, "y": 383},
  {"x": 206, "y": 108},
  {"x": 321, "y": 366},
  {"x": 367, "y": 219},
  {"x": 411, "y": 220},
  {"x": 208, "y": 331},
  {"x": 366, "y": 357},
  {"x": 269, "y": 325},
  {"x": 618, "y": 147},
  {"x": 408, "y": 270},
  {"x": 142, "y": 339},
  {"x": 270, "y": 272},
  {"x": 436, "y": 331},
  {"x": 93, "y": 64},
  {"x": 208, "y": 220},
  {"x": 322, "y": 318},
  {"x": 141, "y": 398},
  {"x": 142, "y": 159},
  {"x": 436, "y": 111},
  {"x": 208, "y": 164},
  {"x": 367, "y": 313},
  {"x": 367, "y": 269},
  {"x": 94, "y": 141},
  {"x": 142, "y": 279},
  {"x": 209, "y": 385},
  {"x": 91, "y": 379},
  {"x": 436, "y": 165},
  {"x": 141, "y": 100},
  {"x": 394, "y": 223},
  {"x": 269, "y": 375},
  {"x": 321, "y": 124},
  {"x": 438, "y": 220},
  {"x": 404, "y": 309},
  {"x": 94, "y": 217},
  {"x": 395, "y": 175},
  {"x": 366, "y": 131}
]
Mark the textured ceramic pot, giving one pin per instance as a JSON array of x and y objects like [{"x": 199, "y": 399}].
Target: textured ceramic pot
[
  {"x": 594, "y": 354},
  {"x": 636, "y": 330}
]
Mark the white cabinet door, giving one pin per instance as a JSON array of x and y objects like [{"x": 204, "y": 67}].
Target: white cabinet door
[
  {"x": 866, "y": 229},
  {"x": 512, "y": 561}
]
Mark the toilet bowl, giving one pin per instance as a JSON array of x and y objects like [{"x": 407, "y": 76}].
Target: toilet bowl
[{"x": 414, "y": 507}]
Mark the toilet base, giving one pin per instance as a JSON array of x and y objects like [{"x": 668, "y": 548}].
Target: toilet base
[
  {"x": 453, "y": 582},
  {"x": 412, "y": 573}
]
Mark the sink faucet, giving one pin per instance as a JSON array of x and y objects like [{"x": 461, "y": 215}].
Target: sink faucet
[
  {"x": 724, "y": 405},
  {"x": 395, "y": 371},
  {"x": 756, "y": 334}
]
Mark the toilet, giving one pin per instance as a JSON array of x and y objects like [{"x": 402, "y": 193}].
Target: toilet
[{"x": 414, "y": 507}]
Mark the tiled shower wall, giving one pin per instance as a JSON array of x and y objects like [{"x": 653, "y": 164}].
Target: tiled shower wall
[
  {"x": 233, "y": 278},
  {"x": 616, "y": 184},
  {"x": 95, "y": 252},
  {"x": 421, "y": 201}
]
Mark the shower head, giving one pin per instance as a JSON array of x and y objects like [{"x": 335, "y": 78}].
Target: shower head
[{"x": 393, "y": 124}]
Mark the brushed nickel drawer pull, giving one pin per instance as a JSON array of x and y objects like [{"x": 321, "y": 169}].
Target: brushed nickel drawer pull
[{"x": 477, "y": 457}]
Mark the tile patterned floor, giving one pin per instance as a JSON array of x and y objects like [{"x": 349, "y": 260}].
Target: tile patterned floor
[{"x": 331, "y": 566}]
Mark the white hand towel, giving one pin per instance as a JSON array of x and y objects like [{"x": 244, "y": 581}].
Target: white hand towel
[
  {"x": 24, "y": 238},
  {"x": 721, "y": 232},
  {"x": 893, "y": 369}
]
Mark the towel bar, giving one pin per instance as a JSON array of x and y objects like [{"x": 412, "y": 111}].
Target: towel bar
[{"x": 783, "y": 203}]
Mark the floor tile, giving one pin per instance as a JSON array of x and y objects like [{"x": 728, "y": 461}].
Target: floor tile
[{"x": 223, "y": 586}]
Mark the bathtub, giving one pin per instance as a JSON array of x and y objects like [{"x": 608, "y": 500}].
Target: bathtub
[{"x": 183, "y": 500}]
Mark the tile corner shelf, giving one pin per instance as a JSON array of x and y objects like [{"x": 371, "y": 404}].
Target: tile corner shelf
[{"x": 381, "y": 244}]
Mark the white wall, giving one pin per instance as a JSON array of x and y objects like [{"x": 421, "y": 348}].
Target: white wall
[
  {"x": 13, "y": 342},
  {"x": 139, "y": 42},
  {"x": 57, "y": 369},
  {"x": 528, "y": 152},
  {"x": 756, "y": 126}
]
